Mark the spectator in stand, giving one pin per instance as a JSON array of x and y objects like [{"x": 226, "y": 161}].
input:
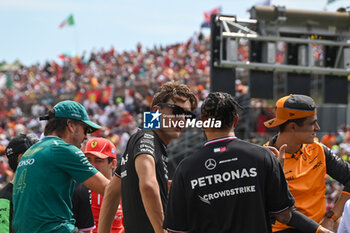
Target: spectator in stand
[
  {"x": 40, "y": 85},
  {"x": 329, "y": 139}
]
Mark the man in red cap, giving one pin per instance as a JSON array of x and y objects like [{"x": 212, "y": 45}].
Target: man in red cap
[
  {"x": 101, "y": 153},
  {"x": 307, "y": 161}
]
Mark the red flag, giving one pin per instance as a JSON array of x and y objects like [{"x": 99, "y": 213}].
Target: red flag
[
  {"x": 207, "y": 16},
  {"x": 106, "y": 94},
  {"x": 78, "y": 97},
  {"x": 62, "y": 56},
  {"x": 93, "y": 96}
]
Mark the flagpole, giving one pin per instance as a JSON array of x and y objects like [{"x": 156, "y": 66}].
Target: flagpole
[
  {"x": 74, "y": 24},
  {"x": 71, "y": 22},
  {"x": 76, "y": 40}
]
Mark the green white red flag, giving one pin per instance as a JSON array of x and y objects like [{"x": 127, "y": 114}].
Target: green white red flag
[{"x": 67, "y": 22}]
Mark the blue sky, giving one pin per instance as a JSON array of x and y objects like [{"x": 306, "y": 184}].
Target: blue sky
[{"x": 30, "y": 33}]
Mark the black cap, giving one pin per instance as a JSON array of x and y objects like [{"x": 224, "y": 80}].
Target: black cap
[{"x": 18, "y": 145}]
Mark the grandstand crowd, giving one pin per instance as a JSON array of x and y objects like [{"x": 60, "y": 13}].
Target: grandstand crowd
[{"x": 117, "y": 87}]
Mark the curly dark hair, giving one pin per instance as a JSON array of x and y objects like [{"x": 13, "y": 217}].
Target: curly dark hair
[
  {"x": 221, "y": 106},
  {"x": 174, "y": 90}
]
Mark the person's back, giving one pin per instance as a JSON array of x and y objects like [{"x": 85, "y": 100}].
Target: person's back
[
  {"x": 45, "y": 202},
  {"x": 229, "y": 185}
]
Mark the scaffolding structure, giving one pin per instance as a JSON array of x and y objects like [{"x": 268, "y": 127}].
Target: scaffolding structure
[{"x": 274, "y": 24}]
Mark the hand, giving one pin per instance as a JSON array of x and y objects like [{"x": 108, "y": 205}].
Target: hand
[
  {"x": 280, "y": 155},
  {"x": 327, "y": 223}
]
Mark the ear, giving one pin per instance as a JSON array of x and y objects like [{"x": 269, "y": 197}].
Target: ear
[
  {"x": 19, "y": 157},
  {"x": 291, "y": 126},
  {"x": 70, "y": 126},
  {"x": 114, "y": 164},
  {"x": 155, "y": 108}
]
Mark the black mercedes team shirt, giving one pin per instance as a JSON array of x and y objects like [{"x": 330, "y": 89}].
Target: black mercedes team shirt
[
  {"x": 229, "y": 185},
  {"x": 143, "y": 142}
]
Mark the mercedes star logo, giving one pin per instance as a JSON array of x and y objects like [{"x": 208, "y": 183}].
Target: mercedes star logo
[{"x": 210, "y": 164}]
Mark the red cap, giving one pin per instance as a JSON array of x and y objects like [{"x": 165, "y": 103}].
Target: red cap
[{"x": 101, "y": 147}]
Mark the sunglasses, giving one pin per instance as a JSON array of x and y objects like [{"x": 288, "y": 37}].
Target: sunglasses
[
  {"x": 178, "y": 111},
  {"x": 86, "y": 129}
]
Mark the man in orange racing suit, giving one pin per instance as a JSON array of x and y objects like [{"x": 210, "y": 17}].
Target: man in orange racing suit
[{"x": 307, "y": 161}]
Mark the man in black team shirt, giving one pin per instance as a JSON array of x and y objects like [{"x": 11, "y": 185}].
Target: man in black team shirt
[
  {"x": 142, "y": 176},
  {"x": 229, "y": 185}
]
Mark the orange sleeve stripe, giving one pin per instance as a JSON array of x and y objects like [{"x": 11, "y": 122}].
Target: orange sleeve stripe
[
  {"x": 346, "y": 192},
  {"x": 318, "y": 228}
]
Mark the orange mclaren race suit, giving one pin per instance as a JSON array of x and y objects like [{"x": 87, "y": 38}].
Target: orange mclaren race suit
[{"x": 305, "y": 172}]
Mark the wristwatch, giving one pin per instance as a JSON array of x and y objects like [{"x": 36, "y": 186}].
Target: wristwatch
[{"x": 330, "y": 214}]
